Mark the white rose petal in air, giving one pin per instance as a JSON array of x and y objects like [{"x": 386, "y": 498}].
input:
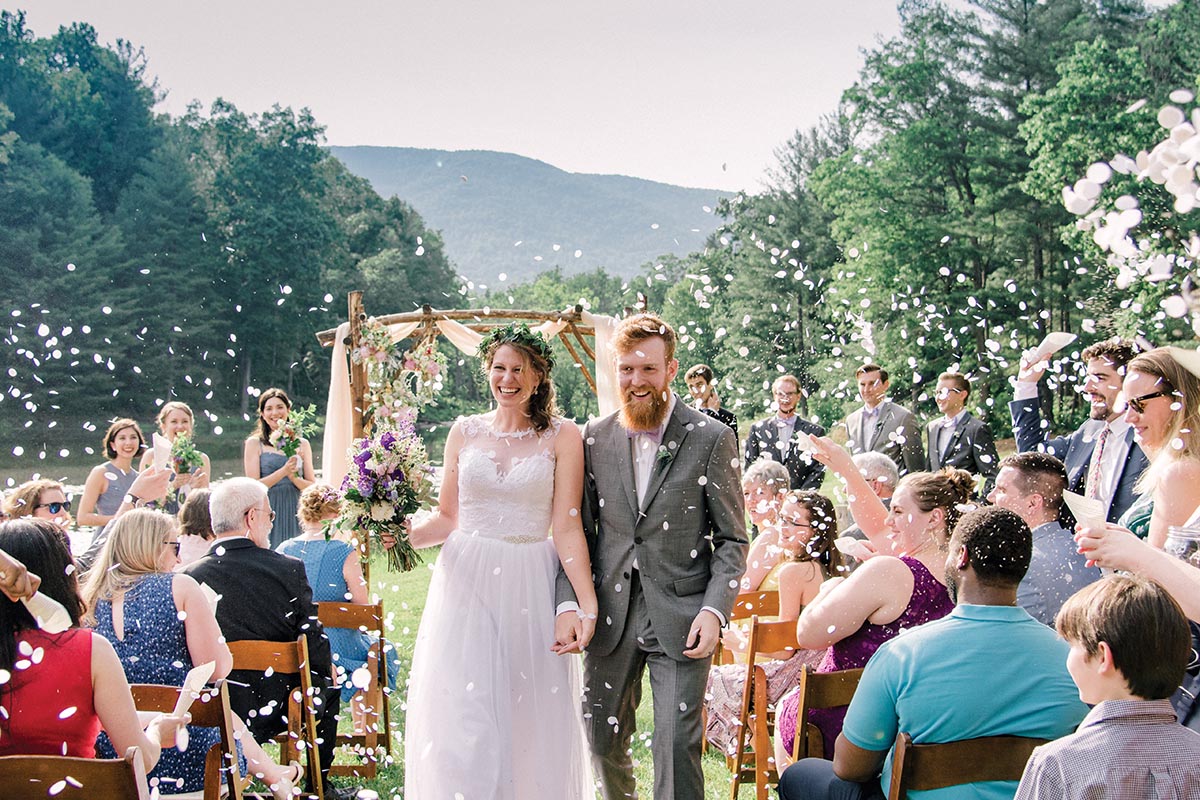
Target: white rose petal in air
[
  {"x": 1099, "y": 172},
  {"x": 1175, "y": 306},
  {"x": 1170, "y": 116},
  {"x": 1181, "y": 96}
]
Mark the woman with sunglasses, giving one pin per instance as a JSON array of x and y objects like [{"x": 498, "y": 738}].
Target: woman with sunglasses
[
  {"x": 41, "y": 499},
  {"x": 1162, "y": 401},
  {"x": 108, "y": 483},
  {"x": 161, "y": 625}
]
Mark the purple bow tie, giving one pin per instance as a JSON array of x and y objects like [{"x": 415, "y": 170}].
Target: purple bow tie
[{"x": 654, "y": 435}]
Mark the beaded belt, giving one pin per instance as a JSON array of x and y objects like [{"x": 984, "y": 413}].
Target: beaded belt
[{"x": 523, "y": 539}]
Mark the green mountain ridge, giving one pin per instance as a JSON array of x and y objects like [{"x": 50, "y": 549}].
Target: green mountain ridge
[{"x": 504, "y": 214}]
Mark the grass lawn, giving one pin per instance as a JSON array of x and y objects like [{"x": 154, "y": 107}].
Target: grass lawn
[{"x": 404, "y": 599}]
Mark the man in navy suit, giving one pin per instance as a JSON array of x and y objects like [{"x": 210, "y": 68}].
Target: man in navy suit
[
  {"x": 775, "y": 437},
  {"x": 1101, "y": 457},
  {"x": 958, "y": 439}
]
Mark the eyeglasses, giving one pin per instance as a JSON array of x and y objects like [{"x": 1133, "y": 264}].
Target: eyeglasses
[
  {"x": 785, "y": 395},
  {"x": 945, "y": 392},
  {"x": 792, "y": 523},
  {"x": 1138, "y": 404},
  {"x": 174, "y": 547},
  {"x": 270, "y": 514},
  {"x": 54, "y": 507}
]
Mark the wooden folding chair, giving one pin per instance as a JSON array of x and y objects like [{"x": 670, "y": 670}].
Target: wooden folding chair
[
  {"x": 374, "y": 699},
  {"x": 288, "y": 658},
  {"x": 745, "y": 606},
  {"x": 820, "y": 690},
  {"x": 919, "y": 767},
  {"x": 753, "y": 757},
  {"x": 42, "y": 777},
  {"x": 210, "y": 710}
]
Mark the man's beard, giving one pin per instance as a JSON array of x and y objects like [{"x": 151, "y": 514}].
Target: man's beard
[
  {"x": 642, "y": 415},
  {"x": 1101, "y": 413}
]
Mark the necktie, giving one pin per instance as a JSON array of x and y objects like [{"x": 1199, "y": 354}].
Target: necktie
[{"x": 1095, "y": 478}]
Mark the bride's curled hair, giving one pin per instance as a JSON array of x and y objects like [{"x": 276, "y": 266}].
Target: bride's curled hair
[{"x": 538, "y": 356}]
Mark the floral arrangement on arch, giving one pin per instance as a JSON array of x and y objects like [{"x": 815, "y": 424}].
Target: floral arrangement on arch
[{"x": 397, "y": 380}]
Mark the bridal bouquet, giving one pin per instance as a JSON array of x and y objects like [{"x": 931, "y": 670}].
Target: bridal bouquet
[
  {"x": 388, "y": 480},
  {"x": 299, "y": 425}
]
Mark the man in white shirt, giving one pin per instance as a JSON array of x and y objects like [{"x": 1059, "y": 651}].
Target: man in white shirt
[
  {"x": 881, "y": 425},
  {"x": 1101, "y": 457}
]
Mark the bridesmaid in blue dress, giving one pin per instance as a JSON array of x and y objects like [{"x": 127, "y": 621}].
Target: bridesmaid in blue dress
[
  {"x": 283, "y": 476},
  {"x": 161, "y": 625},
  {"x": 335, "y": 575},
  {"x": 108, "y": 483}
]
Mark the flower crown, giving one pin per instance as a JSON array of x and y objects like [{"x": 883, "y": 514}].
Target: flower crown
[{"x": 516, "y": 333}]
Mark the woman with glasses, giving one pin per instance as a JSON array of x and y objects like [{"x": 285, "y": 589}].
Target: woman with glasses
[
  {"x": 1162, "y": 403},
  {"x": 108, "y": 483},
  {"x": 41, "y": 499},
  {"x": 161, "y": 625}
]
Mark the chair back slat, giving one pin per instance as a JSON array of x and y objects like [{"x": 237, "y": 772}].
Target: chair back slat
[
  {"x": 259, "y": 656},
  {"x": 752, "y": 604},
  {"x": 355, "y": 616},
  {"x": 37, "y": 777},
  {"x": 820, "y": 690},
  {"x": 921, "y": 767}
]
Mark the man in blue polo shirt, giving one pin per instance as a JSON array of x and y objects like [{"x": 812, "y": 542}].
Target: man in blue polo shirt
[{"x": 987, "y": 669}]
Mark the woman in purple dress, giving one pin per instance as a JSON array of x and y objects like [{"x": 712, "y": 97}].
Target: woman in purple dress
[{"x": 899, "y": 587}]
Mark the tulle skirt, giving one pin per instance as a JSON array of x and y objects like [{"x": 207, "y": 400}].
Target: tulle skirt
[{"x": 492, "y": 714}]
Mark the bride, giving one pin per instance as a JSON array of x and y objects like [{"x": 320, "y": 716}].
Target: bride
[{"x": 492, "y": 711}]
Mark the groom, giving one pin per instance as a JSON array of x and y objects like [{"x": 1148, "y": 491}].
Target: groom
[{"x": 663, "y": 515}]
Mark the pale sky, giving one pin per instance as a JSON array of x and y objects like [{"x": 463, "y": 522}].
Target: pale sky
[{"x": 691, "y": 93}]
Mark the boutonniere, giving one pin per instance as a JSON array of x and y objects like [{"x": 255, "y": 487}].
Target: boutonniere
[{"x": 665, "y": 454}]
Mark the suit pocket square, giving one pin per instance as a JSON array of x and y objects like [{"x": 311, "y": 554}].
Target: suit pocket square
[{"x": 685, "y": 587}]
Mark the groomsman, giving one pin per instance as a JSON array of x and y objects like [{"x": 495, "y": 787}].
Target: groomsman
[
  {"x": 1101, "y": 457},
  {"x": 957, "y": 439},
  {"x": 881, "y": 425},
  {"x": 775, "y": 437},
  {"x": 665, "y": 523}
]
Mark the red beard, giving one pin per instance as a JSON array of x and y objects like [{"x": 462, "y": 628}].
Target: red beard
[{"x": 640, "y": 415}]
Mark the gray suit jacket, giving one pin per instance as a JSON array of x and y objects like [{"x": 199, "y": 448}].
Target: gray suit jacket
[
  {"x": 897, "y": 436},
  {"x": 689, "y": 536}
]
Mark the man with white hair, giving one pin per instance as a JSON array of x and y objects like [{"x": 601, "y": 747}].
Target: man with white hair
[{"x": 265, "y": 595}]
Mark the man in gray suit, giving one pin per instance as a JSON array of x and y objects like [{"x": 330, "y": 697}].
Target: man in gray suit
[
  {"x": 664, "y": 519},
  {"x": 883, "y": 426}
]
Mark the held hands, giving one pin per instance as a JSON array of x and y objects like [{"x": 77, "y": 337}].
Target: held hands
[
  {"x": 572, "y": 632},
  {"x": 703, "y": 636},
  {"x": 16, "y": 581}
]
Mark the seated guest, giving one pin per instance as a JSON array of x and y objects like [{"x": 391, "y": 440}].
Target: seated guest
[
  {"x": 195, "y": 527},
  {"x": 882, "y": 475},
  {"x": 1031, "y": 486},
  {"x": 1129, "y": 648},
  {"x": 41, "y": 499},
  {"x": 895, "y": 590},
  {"x": 703, "y": 387},
  {"x": 334, "y": 574},
  {"x": 57, "y": 705},
  {"x": 776, "y": 437},
  {"x": 807, "y": 527},
  {"x": 764, "y": 485},
  {"x": 16, "y": 581},
  {"x": 107, "y": 483},
  {"x": 265, "y": 595},
  {"x": 988, "y": 669},
  {"x": 957, "y": 439},
  {"x": 161, "y": 625}
]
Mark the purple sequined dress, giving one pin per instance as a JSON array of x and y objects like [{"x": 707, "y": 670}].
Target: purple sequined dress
[{"x": 929, "y": 602}]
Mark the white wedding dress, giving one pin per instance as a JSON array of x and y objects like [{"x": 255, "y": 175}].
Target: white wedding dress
[{"x": 492, "y": 714}]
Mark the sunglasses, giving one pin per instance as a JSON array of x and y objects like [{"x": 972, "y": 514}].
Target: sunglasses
[
  {"x": 1138, "y": 404},
  {"x": 944, "y": 393},
  {"x": 55, "y": 507},
  {"x": 174, "y": 547}
]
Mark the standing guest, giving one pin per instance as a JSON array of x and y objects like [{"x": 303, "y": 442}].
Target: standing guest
[
  {"x": 195, "y": 527},
  {"x": 764, "y": 487},
  {"x": 281, "y": 475},
  {"x": 958, "y": 439},
  {"x": 1031, "y": 486},
  {"x": 161, "y": 625},
  {"x": 107, "y": 484},
  {"x": 41, "y": 499},
  {"x": 335, "y": 575},
  {"x": 942, "y": 682},
  {"x": 150, "y": 483},
  {"x": 702, "y": 385},
  {"x": 883, "y": 426},
  {"x": 775, "y": 437},
  {"x": 175, "y": 419},
  {"x": 652, "y": 467},
  {"x": 56, "y": 704},
  {"x": 265, "y": 595},
  {"x": 1129, "y": 648},
  {"x": 1101, "y": 457},
  {"x": 1163, "y": 400}
]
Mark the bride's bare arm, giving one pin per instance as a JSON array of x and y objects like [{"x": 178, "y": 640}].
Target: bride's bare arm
[
  {"x": 567, "y": 521},
  {"x": 444, "y": 519}
]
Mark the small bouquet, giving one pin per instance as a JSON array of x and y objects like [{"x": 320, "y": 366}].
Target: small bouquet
[
  {"x": 184, "y": 458},
  {"x": 388, "y": 480},
  {"x": 299, "y": 425}
]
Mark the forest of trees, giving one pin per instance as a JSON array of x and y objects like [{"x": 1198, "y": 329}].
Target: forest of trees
[{"x": 920, "y": 224}]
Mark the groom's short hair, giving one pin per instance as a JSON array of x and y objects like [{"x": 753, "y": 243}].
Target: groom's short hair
[{"x": 639, "y": 328}]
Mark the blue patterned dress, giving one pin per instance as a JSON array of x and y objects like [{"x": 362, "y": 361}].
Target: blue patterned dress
[
  {"x": 323, "y": 560},
  {"x": 155, "y": 651}
]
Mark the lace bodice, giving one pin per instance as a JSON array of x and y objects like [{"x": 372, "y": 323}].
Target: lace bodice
[{"x": 505, "y": 481}]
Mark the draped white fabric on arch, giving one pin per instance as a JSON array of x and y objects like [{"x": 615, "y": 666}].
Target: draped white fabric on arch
[{"x": 338, "y": 407}]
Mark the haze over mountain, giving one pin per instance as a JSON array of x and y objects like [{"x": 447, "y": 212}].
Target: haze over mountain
[{"x": 504, "y": 214}]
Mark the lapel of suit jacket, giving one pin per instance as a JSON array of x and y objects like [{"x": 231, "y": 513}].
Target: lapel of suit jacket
[
  {"x": 885, "y": 417},
  {"x": 622, "y": 449},
  {"x": 960, "y": 429},
  {"x": 672, "y": 439}
]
